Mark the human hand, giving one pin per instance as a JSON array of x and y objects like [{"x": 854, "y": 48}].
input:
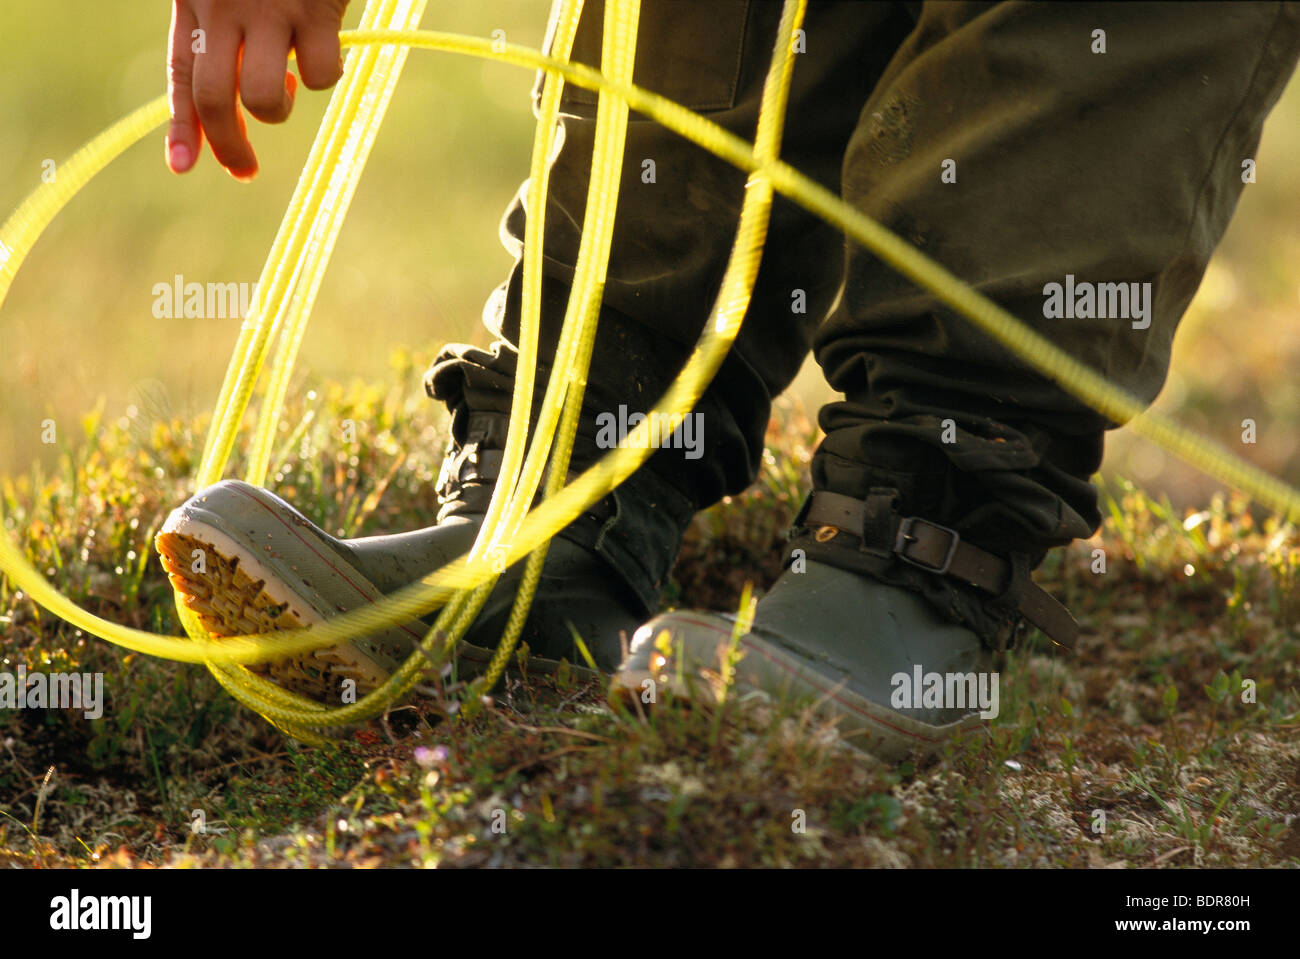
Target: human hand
[{"x": 224, "y": 51}]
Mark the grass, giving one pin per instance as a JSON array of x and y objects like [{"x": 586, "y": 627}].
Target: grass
[{"x": 1136, "y": 750}]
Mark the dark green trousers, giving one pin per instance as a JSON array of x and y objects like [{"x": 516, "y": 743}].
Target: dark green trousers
[{"x": 996, "y": 137}]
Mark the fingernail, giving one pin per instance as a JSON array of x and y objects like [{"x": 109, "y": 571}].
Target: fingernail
[
  {"x": 179, "y": 156},
  {"x": 290, "y": 83},
  {"x": 244, "y": 176}
]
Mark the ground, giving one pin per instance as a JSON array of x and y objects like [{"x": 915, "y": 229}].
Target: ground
[{"x": 1167, "y": 738}]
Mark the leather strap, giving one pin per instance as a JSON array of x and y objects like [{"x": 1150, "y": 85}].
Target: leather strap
[{"x": 940, "y": 550}]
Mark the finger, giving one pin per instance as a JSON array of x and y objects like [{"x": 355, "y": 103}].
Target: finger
[
  {"x": 320, "y": 63},
  {"x": 184, "y": 134},
  {"x": 262, "y": 84},
  {"x": 216, "y": 74}
]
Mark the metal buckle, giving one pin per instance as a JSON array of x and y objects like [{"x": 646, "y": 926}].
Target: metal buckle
[{"x": 905, "y": 536}]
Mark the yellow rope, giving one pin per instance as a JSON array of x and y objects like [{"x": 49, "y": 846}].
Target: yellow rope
[
  {"x": 511, "y": 530},
  {"x": 617, "y": 60}
]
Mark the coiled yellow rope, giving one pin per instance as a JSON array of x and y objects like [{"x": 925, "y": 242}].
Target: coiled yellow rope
[{"x": 511, "y": 530}]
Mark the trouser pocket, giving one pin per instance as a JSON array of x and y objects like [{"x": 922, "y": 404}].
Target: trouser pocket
[{"x": 687, "y": 51}]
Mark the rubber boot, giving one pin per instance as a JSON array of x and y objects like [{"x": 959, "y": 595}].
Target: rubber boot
[
  {"x": 245, "y": 561},
  {"x": 829, "y": 636},
  {"x": 899, "y": 676}
]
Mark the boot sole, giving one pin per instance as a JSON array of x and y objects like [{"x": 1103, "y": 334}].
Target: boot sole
[
  {"x": 238, "y": 596},
  {"x": 265, "y": 570},
  {"x": 264, "y": 567}
]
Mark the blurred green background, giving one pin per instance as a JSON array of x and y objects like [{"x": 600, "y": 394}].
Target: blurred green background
[{"x": 420, "y": 251}]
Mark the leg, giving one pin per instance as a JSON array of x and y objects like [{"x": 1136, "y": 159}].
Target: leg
[
  {"x": 272, "y": 569},
  {"x": 1115, "y": 167},
  {"x": 1121, "y": 166},
  {"x": 671, "y": 243}
]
